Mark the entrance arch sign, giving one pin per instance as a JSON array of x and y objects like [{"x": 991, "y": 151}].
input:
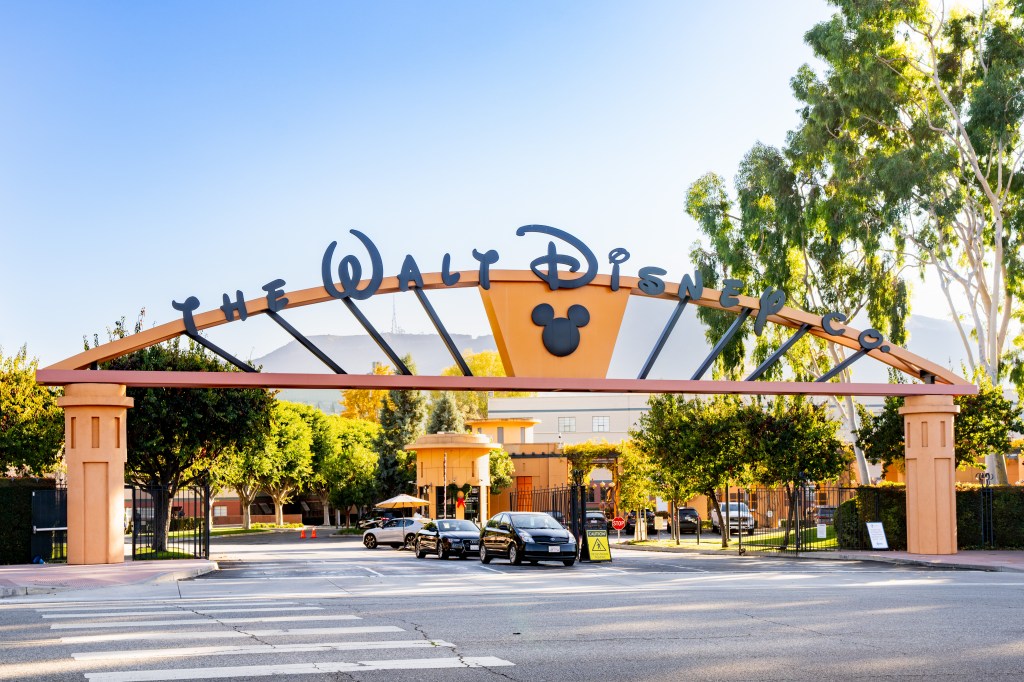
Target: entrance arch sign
[{"x": 556, "y": 325}]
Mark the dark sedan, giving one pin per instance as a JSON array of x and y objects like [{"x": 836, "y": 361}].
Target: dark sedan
[
  {"x": 532, "y": 536},
  {"x": 448, "y": 537}
]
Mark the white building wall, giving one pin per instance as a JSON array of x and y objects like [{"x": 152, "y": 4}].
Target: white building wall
[{"x": 621, "y": 411}]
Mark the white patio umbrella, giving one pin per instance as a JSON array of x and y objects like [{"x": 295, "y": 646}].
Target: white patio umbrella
[{"x": 402, "y": 502}]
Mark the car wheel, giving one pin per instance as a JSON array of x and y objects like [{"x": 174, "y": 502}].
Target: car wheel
[
  {"x": 485, "y": 558},
  {"x": 420, "y": 553},
  {"x": 513, "y": 555},
  {"x": 409, "y": 539},
  {"x": 370, "y": 541},
  {"x": 442, "y": 551},
  {"x": 569, "y": 562}
]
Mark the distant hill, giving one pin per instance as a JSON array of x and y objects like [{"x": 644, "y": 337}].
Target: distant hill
[{"x": 936, "y": 340}]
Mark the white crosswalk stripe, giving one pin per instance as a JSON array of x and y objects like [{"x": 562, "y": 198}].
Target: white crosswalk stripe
[
  {"x": 299, "y": 669},
  {"x": 194, "y": 621},
  {"x": 178, "y": 612},
  {"x": 258, "y": 649},
  {"x": 177, "y": 645},
  {"x": 177, "y": 635}
]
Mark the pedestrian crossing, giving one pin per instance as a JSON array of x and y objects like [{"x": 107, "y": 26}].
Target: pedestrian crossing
[{"x": 119, "y": 642}]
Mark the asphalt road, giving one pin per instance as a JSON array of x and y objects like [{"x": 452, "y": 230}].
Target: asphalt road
[{"x": 328, "y": 609}]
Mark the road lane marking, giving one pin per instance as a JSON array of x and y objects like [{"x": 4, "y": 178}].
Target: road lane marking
[
  {"x": 370, "y": 570},
  {"x": 181, "y": 611},
  {"x": 259, "y": 649},
  {"x": 299, "y": 669},
  {"x": 159, "y": 604},
  {"x": 177, "y": 635},
  {"x": 195, "y": 621}
]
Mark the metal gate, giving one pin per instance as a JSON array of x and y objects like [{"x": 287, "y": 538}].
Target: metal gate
[
  {"x": 50, "y": 525},
  {"x": 795, "y": 518},
  {"x": 165, "y": 526}
]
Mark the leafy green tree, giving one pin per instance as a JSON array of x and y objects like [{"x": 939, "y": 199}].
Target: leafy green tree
[
  {"x": 445, "y": 416},
  {"x": 290, "y": 455},
  {"x": 323, "y": 453},
  {"x": 910, "y": 144},
  {"x": 981, "y": 430},
  {"x": 353, "y": 468},
  {"x": 699, "y": 442},
  {"x": 176, "y": 435},
  {"x": 401, "y": 421},
  {"x": 792, "y": 442},
  {"x": 502, "y": 470},
  {"x": 243, "y": 470},
  {"x": 31, "y": 424},
  {"x": 636, "y": 485}
]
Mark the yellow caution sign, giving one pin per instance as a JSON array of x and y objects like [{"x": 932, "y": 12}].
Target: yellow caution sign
[{"x": 597, "y": 545}]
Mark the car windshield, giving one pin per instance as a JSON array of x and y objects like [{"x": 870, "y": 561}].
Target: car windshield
[
  {"x": 536, "y": 521},
  {"x": 736, "y": 507},
  {"x": 455, "y": 524}
]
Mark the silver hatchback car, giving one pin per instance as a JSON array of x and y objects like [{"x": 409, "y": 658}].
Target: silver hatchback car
[{"x": 396, "y": 532}]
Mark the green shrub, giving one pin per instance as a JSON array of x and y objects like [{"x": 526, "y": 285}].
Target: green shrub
[
  {"x": 16, "y": 528},
  {"x": 887, "y": 503},
  {"x": 186, "y": 523},
  {"x": 847, "y": 523}
]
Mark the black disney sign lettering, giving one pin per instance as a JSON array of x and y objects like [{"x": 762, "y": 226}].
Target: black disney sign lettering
[{"x": 557, "y": 268}]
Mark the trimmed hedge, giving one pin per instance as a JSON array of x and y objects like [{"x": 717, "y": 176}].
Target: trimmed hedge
[
  {"x": 888, "y": 503},
  {"x": 16, "y": 523}
]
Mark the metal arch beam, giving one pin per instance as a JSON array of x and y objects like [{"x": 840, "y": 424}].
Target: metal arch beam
[
  {"x": 898, "y": 358},
  {"x": 443, "y": 332},
  {"x": 306, "y": 343},
  {"x": 54, "y": 377},
  {"x": 375, "y": 335}
]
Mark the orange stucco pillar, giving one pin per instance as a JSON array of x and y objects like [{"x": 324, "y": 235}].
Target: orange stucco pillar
[
  {"x": 95, "y": 450},
  {"x": 931, "y": 473}
]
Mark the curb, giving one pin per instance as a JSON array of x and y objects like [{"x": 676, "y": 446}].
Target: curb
[
  {"x": 834, "y": 556},
  {"x": 169, "y": 576}
]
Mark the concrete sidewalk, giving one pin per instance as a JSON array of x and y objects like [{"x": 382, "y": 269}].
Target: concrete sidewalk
[
  {"x": 973, "y": 560},
  {"x": 25, "y": 579}
]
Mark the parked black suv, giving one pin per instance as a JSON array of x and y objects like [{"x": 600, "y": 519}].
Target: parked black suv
[{"x": 689, "y": 520}]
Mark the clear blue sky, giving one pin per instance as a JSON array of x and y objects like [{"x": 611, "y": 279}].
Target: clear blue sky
[{"x": 151, "y": 151}]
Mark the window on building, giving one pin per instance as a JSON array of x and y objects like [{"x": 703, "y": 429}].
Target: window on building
[
  {"x": 567, "y": 424},
  {"x": 220, "y": 511},
  {"x": 601, "y": 424},
  {"x": 501, "y": 434},
  {"x": 522, "y": 434}
]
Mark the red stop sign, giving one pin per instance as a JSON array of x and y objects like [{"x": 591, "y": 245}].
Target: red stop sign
[{"x": 618, "y": 523}]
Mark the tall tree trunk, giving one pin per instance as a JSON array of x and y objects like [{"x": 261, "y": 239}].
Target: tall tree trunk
[
  {"x": 161, "y": 516},
  {"x": 246, "y": 495},
  {"x": 722, "y": 525},
  {"x": 327, "y": 509}
]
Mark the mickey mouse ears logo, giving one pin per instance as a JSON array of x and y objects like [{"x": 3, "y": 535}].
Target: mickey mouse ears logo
[{"x": 561, "y": 335}]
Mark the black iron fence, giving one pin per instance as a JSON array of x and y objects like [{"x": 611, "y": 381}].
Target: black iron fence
[
  {"x": 565, "y": 503},
  {"x": 165, "y": 526},
  {"x": 795, "y": 518}
]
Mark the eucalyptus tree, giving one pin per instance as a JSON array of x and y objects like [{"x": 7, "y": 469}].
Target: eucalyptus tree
[
  {"x": 910, "y": 142},
  {"x": 784, "y": 232}
]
